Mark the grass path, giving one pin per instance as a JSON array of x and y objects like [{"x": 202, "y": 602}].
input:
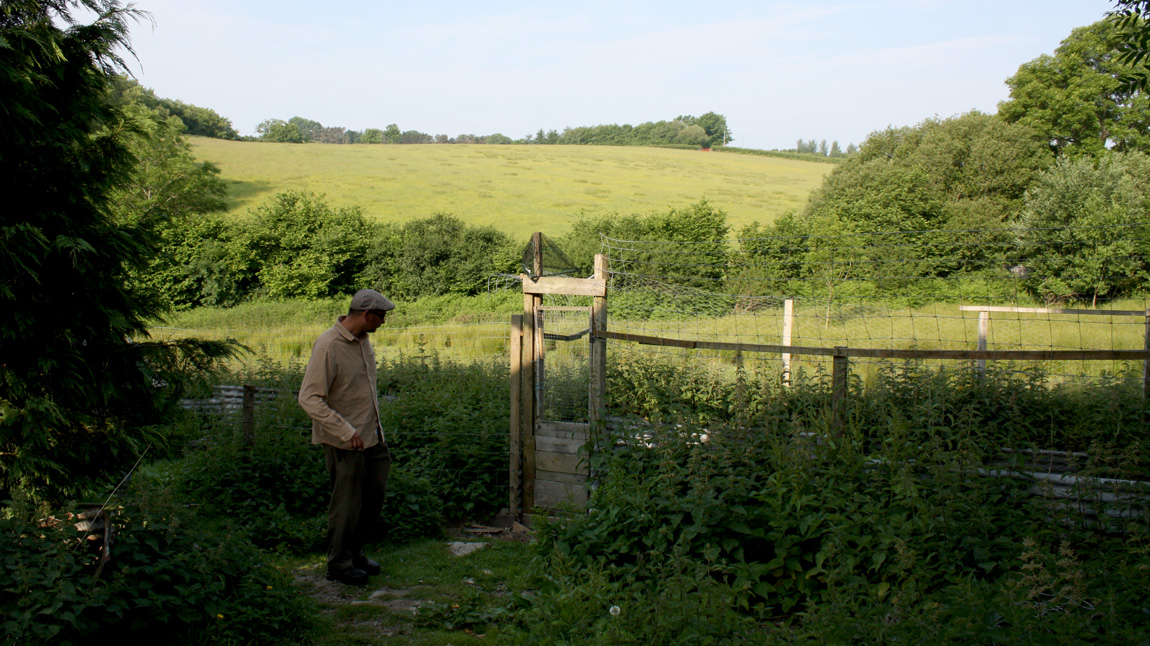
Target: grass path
[
  {"x": 425, "y": 594},
  {"x": 516, "y": 188}
]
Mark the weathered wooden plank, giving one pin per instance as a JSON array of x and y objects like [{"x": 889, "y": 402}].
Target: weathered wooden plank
[
  {"x": 564, "y": 285},
  {"x": 561, "y": 462},
  {"x": 1050, "y": 310},
  {"x": 567, "y": 430},
  {"x": 559, "y": 476},
  {"x": 551, "y": 495},
  {"x": 559, "y": 445}
]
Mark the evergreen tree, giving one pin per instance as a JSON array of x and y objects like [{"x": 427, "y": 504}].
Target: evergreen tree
[{"x": 77, "y": 377}]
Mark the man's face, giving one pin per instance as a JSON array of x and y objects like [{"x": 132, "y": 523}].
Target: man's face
[{"x": 374, "y": 319}]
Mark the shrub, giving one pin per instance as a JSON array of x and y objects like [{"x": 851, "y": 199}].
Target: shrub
[
  {"x": 276, "y": 491},
  {"x": 886, "y": 531},
  {"x": 447, "y": 424},
  {"x": 172, "y": 579}
]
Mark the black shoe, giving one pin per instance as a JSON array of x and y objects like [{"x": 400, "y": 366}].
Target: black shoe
[
  {"x": 350, "y": 576},
  {"x": 367, "y": 565}
]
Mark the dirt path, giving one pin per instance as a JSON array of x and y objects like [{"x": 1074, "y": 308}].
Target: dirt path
[{"x": 379, "y": 613}]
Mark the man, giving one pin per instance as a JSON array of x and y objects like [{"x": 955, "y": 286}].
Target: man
[{"x": 339, "y": 394}]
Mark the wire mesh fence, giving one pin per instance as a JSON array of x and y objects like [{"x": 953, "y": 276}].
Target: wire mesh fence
[
  {"x": 459, "y": 342},
  {"x": 564, "y": 374},
  {"x": 1052, "y": 289}
]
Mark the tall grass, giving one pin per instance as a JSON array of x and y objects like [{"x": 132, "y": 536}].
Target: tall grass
[
  {"x": 516, "y": 189},
  {"x": 936, "y": 326},
  {"x": 459, "y": 327},
  {"x": 478, "y": 327}
]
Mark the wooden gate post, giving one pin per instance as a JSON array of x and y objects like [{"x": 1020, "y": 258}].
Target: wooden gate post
[
  {"x": 839, "y": 375},
  {"x": 1146, "y": 362},
  {"x": 597, "y": 400},
  {"x": 515, "y": 446},
  {"x": 532, "y": 345}
]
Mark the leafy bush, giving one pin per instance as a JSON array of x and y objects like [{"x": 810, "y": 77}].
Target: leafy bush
[
  {"x": 1007, "y": 406},
  {"x": 172, "y": 579},
  {"x": 446, "y": 428},
  {"x": 886, "y": 531},
  {"x": 436, "y": 256},
  {"x": 298, "y": 246},
  {"x": 447, "y": 423},
  {"x": 276, "y": 492}
]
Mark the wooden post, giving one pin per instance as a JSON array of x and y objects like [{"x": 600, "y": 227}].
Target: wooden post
[
  {"x": 983, "y": 332},
  {"x": 788, "y": 326},
  {"x": 597, "y": 400},
  {"x": 514, "y": 504},
  {"x": 536, "y": 303},
  {"x": 527, "y": 403},
  {"x": 537, "y": 257},
  {"x": 532, "y": 347},
  {"x": 839, "y": 375},
  {"x": 249, "y": 416},
  {"x": 1146, "y": 362}
]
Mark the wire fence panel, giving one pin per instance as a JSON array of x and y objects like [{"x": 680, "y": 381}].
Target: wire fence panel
[
  {"x": 564, "y": 375},
  {"x": 462, "y": 342},
  {"x": 913, "y": 290}
]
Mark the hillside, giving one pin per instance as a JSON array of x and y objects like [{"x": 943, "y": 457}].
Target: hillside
[{"x": 517, "y": 189}]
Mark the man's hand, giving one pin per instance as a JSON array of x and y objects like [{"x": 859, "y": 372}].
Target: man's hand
[{"x": 356, "y": 442}]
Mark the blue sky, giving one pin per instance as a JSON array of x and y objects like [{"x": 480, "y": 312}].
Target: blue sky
[{"x": 779, "y": 71}]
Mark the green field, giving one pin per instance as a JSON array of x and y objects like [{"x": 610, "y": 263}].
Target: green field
[{"x": 517, "y": 189}]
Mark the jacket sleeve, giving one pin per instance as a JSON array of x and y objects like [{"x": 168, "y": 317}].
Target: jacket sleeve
[{"x": 313, "y": 398}]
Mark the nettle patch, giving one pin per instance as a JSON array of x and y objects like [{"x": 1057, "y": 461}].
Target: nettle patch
[{"x": 886, "y": 525}]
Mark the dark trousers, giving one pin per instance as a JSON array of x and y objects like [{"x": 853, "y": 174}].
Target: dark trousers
[{"x": 358, "y": 485}]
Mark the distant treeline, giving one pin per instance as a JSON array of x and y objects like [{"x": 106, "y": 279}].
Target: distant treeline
[
  {"x": 709, "y": 130},
  {"x": 686, "y": 131},
  {"x": 201, "y": 122}
]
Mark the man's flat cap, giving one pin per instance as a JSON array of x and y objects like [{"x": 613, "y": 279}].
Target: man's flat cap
[{"x": 369, "y": 299}]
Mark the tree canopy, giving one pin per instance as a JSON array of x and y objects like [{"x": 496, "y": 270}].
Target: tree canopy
[
  {"x": 77, "y": 375},
  {"x": 194, "y": 120},
  {"x": 1131, "y": 20},
  {"x": 1075, "y": 100},
  {"x": 704, "y": 131}
]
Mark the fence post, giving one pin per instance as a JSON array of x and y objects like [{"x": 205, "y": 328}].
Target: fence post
[
  {"x": 839, "y": 389},
  {"x": 514, "y": 502},
  {"x": 598, "y": 348},
  {"x": 788, "y": 326},
  {"x": 249, "y": 416},
  {"x": 531, "y": 360},
  {"x": 1146, "y": 362},
  {"x": 983, "y": 332}
]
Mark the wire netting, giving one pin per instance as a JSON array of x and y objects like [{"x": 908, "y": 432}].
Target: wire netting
[
  {"x": 564, "y": 374},
  {"x": 1051, "y": 289},
  {"x": 459, "y": 342}
]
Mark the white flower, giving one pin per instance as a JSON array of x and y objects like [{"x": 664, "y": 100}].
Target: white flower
[{"x": 614, "y": 611}]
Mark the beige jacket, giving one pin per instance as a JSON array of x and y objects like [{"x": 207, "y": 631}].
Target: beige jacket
[{"x": 338, "y": 391}]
